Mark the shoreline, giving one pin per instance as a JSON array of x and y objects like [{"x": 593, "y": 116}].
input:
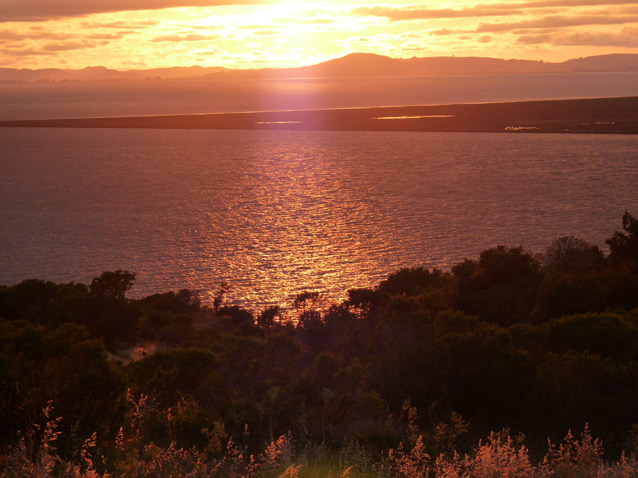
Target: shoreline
[{"x": 591, "y": 115}]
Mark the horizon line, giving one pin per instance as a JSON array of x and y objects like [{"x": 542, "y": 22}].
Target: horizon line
[{"x": 348, "y": 55}]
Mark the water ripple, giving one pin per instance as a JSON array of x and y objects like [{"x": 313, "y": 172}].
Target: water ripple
[{"x": 277, "y": 213}]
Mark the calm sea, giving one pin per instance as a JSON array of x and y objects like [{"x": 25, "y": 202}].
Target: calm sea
[
  {"x": 68, "y": 100},
  {"x": 277, "y": 213}
]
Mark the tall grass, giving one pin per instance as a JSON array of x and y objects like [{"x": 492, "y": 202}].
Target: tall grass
[{"x": 499, "y": 456}]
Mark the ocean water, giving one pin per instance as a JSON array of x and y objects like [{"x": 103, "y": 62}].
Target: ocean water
[
  {"x": 276, "y": 213},
  {"x": 68, "y": 100}
]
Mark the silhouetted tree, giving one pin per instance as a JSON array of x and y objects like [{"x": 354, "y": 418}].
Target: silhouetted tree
[
  {"x": 623, "y": 255},
  {"x": 184, "y": 301},
  {"x": 308, "y": 305},
  {"x": 112, "y": 284},
  {"x": 623, "y": 246},
  {"x": 238, "y": 315},
  {"x": 413, "y": 281},
  {"x": 500, "y": 287},
  {"x": 266, "y": 319},
  {"x": 569, "y": 254},
  {"x": 224, "y": 287},
  {"x": 365, "y": 301}
]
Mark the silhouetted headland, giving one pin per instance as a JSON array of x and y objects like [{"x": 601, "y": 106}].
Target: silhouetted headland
[{"x": 599, "y": 115}]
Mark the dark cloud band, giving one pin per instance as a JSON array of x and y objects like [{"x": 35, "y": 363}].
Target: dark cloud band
[
  {"x": 415, "y": 12},
  {"x": 557, "y": 22},
  {"x": 39, "y": 10}
]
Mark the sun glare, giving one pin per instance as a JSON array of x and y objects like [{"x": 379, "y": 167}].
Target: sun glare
[
  {"x": 272, "y": 34},
  {"x": 286, "y": 8}
]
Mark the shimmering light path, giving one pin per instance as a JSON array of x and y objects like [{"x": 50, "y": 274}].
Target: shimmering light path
[{"x": 277, "y": 213}]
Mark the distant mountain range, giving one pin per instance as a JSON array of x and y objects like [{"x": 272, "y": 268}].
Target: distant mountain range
[{"x": 353, "y": 65}]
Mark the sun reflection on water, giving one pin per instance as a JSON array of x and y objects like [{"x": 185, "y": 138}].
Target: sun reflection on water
[
  {"x": 279, "y": 213},
  {"x": 300, "y": 227}
]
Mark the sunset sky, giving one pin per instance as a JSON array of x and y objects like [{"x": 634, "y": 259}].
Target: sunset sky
[{"x": 140, "y": 34}]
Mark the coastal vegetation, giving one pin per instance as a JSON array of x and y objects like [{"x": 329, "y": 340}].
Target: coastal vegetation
[{"x": 511, "y": 364}]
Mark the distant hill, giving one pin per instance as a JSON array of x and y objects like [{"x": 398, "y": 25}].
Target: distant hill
[
  {"x": 362, "y": 64},
  {"x": 365, "y": 64},
  {"x": 615, "y": 62},
  {"x": 353, "y": 65},
  {"x": 100, "y": 73}
]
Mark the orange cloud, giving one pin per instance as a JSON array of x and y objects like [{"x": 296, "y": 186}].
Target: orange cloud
[
  {"x": 282, "y": 33},
  {"x": 417, "y": 12},
  {"x": 39, "y": 10},
  {"x": 109, "y": 36},
  {"x": 25, "y": 52},
  {"x": 627, "y": 38},
  {"x": 55, "y": 47},
  {"x": 181, "y": 38},
  {"x": 136, "y": 25},
  {"x": 34, "y": 35},
  {"x": 575, "y": 3},
  {"x": 558, "y": 21}
]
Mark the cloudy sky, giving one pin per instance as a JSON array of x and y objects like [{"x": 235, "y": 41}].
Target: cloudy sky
[{"x": 132, "y": 34}]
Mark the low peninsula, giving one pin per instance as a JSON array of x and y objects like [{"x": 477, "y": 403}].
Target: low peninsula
[{"x": 596, "y": 115}]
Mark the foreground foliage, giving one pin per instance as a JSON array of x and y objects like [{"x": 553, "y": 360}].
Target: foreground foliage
[
  {"x": 403, "y": 379},
  {"x": 499, "y": 456}
]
